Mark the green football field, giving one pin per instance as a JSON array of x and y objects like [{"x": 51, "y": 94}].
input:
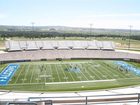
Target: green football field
[{"x": 73, "y": 75}]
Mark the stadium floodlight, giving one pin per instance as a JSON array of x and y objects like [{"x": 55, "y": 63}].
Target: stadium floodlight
[
  {"x": 90, "y": 28},
  {"x": 130, "y": 33},
  {"x": 32, "y": 23}
]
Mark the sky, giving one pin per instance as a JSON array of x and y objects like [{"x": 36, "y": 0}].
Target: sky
[{"x": 118, "y": 14}]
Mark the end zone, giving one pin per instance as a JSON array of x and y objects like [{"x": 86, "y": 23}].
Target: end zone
[{"x": 8, "y": 73}]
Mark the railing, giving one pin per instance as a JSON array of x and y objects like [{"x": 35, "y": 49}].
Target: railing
[
  {"x": 95, "y": 99},
  {"x": 82, "y": 100},
  {"x": 21, "y": 103}
]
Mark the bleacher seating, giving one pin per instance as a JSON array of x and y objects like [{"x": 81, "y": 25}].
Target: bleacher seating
[
  {"x": 23, "y": 45},
  {"x": 31, "y": 45},
  {"x": 61, "y": 45},
  {"x": 47, "y": 45},
  {"x": 106, "y": 45},
  {"x": 92, "y": 45},
  {"x": 39, "y": 44},
  {"x": 13, "y": 46},
  {"x": 77, "y": 45}
]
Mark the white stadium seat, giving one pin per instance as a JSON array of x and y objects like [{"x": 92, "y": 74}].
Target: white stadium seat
[
  {"x": 31, "y": 45},
  {"x": 60, "y": 45},
  {"x": 92, "y": 45},
  {"x": 107, "y": 45},
  {"x": 23, "y": 45},
  {"x": 77, "y": 45},
  {"x": 63, "y": 45},
  {"x": 47, "y": 45},
  {"x": 14, "y": 46}
]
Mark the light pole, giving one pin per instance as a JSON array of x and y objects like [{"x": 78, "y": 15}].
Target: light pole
[
  {"x": 130, "y": 33},
  {"x": 32, "y": 23},
  {"x": 90, "y": 29}
]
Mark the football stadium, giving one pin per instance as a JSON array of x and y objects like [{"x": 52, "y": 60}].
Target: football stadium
[
  {"x": 66, "y": 66},
  {"x": 69, "y": 52}
]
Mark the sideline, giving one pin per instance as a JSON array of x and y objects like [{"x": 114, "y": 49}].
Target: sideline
[{"x": 82, "y": 81}]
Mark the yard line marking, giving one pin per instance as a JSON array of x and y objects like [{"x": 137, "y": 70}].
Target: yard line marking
[
  {"x": 94, "y": 71},
  {"x": 51, "y": 72},
  {"x": 82, "y": 72},
  {"x": 72, "y": 82},
  {"x": 102, "y": 73},
  {"x": 105, "y": 67},
  {"x": 89, "y": 72},
  {"x": 70, "y": 73},
  {"x": 109, "y": 80},
  {"x": 75, "y": 73},
  {"x": 86, "y": 71},
  {"x": 120, "y": 73},
  {"x": 38, "y": 73},
  {"x": 33, "y": 70},
  {"x": 21, "y": 69},
  {"x": 57, "y": 73},
  {"x": 26, "y": 72},
  {"x": 47, "y": 72},
  {"x": 63, "y": 71},
  {"x": 103, "y": 70}
]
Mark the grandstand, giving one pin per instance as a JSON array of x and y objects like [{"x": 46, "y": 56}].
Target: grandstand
[
  {"x": 52, "y": 50},
  {"x": 65, "y": 45}
]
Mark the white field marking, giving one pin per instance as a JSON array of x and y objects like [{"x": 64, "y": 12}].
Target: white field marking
[
  {"x": 26, "y": 72},
  {"x": 70, "y": 73},
  {"x": 66, "y": 62},
  {"x": 105, "y": 72},
  {"x": 20, "y": 84},
  {"x": 59, "y": 62},
  {"x": 29, "y": 72},
  {"x": 113, "y": 72},
  {"x": 123, "y": 75},
  {"x": 82, "y": 81},
  {"x": 33, "y": 70},
  {"x": 91, "y": 76},
  {"x": 38, "y": 73},
  {"x": 57, "y": 73},
  {"x": 100, "y": 73},
  {"x": 62, "y": 71},
  {"x": 118, "y": 72},
  {"x": 78, "y": 76},
  {"x": 48, "y": 70},
  {"x": 109, "y": 80},
  {"x": 93, "y": 70},
  {"x": 51, "y": 72},
  {"x": 45, "y": 74},
  {"x": 109, "y": 72},
  {"x": 82, "y": 75},
  {"x": 38, "y": 69},
  {"x": 86, "y": 71},
  {"x": 82, "y": 72},
  {"x": 19, "y": 73}
]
